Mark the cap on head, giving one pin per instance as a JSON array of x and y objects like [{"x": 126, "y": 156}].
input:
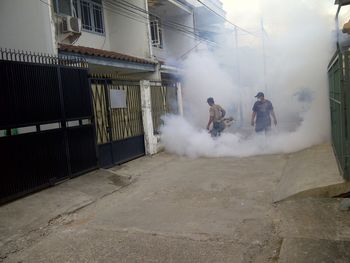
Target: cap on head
[
  {"x": 259, "y": 95},
  {"x": 210, "y": 100}
]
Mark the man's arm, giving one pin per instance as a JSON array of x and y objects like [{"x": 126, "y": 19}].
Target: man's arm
[
  {"x": 274, "y": 117},
  {"x": 253, "y": 118},
  {"x": 211, "y": 119}
]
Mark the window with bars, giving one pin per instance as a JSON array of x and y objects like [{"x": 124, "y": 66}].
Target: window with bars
[
  {"x": 63, "y": 7},
  {"x": 89, "y": 11},
  {"x": 91, "y": 14},
  {"x": 156, "y": 32}
]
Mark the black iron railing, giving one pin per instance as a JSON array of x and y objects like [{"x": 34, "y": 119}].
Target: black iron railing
[{"x": 42, "y": 58}]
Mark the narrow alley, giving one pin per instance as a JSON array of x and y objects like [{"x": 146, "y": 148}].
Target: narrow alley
[
  {"x": 174, "y": 209},
  {"x": 174, "y": 131}
]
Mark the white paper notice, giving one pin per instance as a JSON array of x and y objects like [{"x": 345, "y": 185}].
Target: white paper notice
[{"x": 118, "y": 98}]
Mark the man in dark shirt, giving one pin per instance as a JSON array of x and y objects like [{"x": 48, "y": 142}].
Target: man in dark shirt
[{"x": 262, "y": 110}]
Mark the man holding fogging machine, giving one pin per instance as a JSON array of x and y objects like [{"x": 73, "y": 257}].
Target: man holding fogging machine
[{"x": 216, "y": 117}]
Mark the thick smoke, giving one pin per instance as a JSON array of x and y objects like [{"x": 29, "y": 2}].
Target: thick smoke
[{"x": 298, "y": 45}]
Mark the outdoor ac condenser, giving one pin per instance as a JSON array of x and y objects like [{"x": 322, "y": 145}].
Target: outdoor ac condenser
[{"x": 71, "y": 24}]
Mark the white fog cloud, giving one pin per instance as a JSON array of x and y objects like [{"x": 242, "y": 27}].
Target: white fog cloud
[{"x": 298, "y": 47}]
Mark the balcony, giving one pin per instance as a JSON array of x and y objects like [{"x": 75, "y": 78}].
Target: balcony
[{"x": 171, "y": 29}]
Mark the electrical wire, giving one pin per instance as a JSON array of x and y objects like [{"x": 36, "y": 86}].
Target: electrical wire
[
  {"x": 169, "y": 23},
  {"x": 172, "y": 25},
  {"x": 189, "y": 51},
  {"x": 149, "y": 13},
  {"x": 228, "y": 21}
]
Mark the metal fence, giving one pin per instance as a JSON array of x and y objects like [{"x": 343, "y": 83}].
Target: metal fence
[
  {"x": 163, "y": 101},
  {"x": 119, "y": 128},
  {"x": 46, "y": 133},
  {"x": 339, "y": 87},
  {"x": 42, "y": 58}
]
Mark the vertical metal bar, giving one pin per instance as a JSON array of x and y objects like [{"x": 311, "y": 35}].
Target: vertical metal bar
[
  {"x": 346, "y": 101},
  {"x": 108, "y": 112},
  {"x": 93, "y": 119},
  {"x": 64, "y": 121},
  {"x": 342, "y": 110},
  {"x": 6, "y": 52}
]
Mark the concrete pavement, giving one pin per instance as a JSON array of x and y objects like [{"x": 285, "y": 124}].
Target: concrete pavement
[
  {"x": 174, "y": 209},
  {"x": 312, "y": 172}
]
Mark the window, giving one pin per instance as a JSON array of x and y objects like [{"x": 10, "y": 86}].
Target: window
[
  {"x": 89, "y": 11},
  {"x": 156, "y": 32},
  {"x": 63, "y": 7},
  {"x": 91, "y": 14}
]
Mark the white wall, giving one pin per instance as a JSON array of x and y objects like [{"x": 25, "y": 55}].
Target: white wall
[
  {"x": 215, "y": 5},
  {"x": 88, "y": 39},
  {"x": 125, "y": 32},
  {"x": 344, "y": 16},
  {"x": 175, "y": 42},
  {"x": 26, "y": 25},
  {"x": 128, "y": 32},
  {"x": 99, "y": 41}
]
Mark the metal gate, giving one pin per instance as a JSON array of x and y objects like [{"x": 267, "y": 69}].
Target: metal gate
[
  {"x": 339, "y": 88},
  {"x": 164, "y": 101},
  {"x": 118, "y": 120},
  {"x": 46, "y": 133}
]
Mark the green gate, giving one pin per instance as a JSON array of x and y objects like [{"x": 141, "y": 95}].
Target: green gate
[{"x": 339, "y": 89}]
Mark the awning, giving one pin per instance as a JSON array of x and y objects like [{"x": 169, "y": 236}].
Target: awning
[{"x": 109, "y": 58}]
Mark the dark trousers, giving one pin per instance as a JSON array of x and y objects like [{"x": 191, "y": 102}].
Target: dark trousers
[
  {"x": 263, "y": 126},
  {"x": 218, "y": 127}
]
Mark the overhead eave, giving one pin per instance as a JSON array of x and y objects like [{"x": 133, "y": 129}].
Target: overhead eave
[
  {"x": 109, "y": 58},
  {"x": 109, "y": 62},
  {"x": 171, "y": 70},
  {"x": 342, "y": 2},
  {"x": 181, "y": 5},
  {"x": 120, "y": 64}
]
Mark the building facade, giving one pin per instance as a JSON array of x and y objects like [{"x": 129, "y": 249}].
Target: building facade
[{"x": 121, "y": 40}]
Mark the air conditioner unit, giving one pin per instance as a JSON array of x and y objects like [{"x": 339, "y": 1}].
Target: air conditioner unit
[{"x": 71, "y": 24}]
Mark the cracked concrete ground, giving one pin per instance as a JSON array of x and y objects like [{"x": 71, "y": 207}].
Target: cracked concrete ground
[{"x": 174, "y": 209}]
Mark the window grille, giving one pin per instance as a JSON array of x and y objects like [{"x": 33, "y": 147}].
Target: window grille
[
  {"x": 156, "y": 32},
  {"x": 89, "y": 11}
]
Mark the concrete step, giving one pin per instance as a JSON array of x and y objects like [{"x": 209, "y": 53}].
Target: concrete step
[{"x": 311, "y": 173}]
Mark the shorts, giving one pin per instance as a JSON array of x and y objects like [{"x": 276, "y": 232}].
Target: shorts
[
  {"x": 218, "y": 127},
  {"x": 263, "y": 128}
]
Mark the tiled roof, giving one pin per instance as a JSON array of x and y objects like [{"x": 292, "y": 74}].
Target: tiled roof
[{"x": 103, "y": 53}]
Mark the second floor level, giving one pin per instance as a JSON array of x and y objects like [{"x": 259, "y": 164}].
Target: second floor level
[{"x": 153, "y": 29}]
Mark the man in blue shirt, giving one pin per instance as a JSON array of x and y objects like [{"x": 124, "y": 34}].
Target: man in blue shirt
[{"x": 262, "y": 110}]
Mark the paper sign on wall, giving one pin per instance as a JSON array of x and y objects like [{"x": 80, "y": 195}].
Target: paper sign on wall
[{"x": 118, "y": 98}]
